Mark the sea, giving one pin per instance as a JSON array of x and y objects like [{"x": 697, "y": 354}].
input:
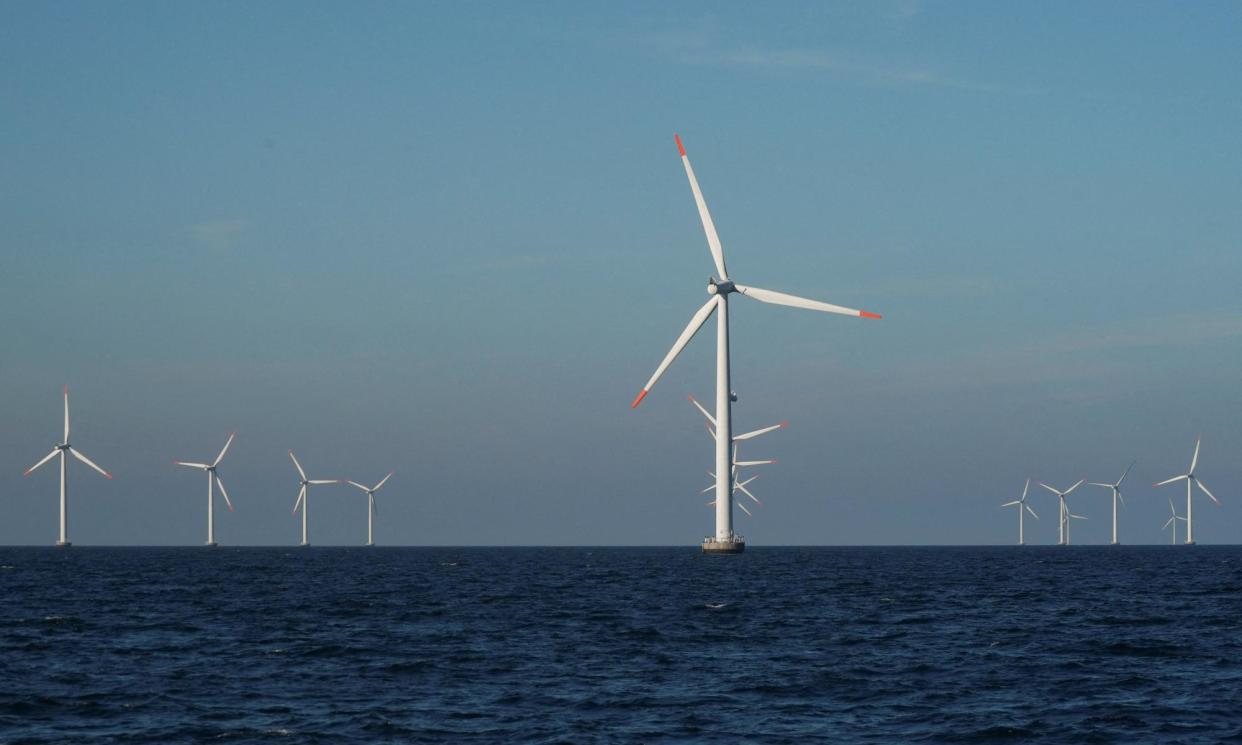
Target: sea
[{"x": 1090, "y": 644}]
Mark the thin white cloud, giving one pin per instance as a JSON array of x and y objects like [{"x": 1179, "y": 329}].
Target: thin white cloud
[{"x": 219, "y": 235}]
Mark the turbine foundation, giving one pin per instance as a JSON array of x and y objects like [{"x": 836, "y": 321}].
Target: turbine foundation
[
  {"x": 735, "y": 545},
  {"x": 63, "y": 543}
]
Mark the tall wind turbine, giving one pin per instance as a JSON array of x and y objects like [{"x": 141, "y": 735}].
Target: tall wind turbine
[
  {"x": 1023, "y": 507},
  {"x": 303, "y": 495},
  {"x": 371, "y": 505},
  {"x": 62, "y": 450},
  {"x": 1065, "y": 515},
  {"x": 1173, "y": 521},
  {"x": 1190, "y": 479},
  {"x": 1116, "y": 497},
  {"x": 720, "y": 288},
  {"x": 213, "y": 479}
]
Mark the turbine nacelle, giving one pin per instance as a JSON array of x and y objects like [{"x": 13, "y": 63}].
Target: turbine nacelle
[{"x": 720, "y": 287}]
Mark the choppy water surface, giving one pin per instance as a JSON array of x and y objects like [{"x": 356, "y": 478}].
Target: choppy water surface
[{"x": 1085, "y": 644}]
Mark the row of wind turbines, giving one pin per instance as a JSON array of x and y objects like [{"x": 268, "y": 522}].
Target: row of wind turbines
[
  {"x": 63, "y": 449},
  {"x": 1065, "y": 515}
]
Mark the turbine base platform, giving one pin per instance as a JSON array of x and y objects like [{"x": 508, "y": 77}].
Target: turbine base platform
[
  {"x": 728, "y": 546},
  {"x": 213, "y": 544},
  {"x": 63, "y": 543}
]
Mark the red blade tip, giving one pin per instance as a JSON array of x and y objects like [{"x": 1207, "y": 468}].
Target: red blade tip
[
  {"x": 639, "y": 398},
  {"x": 783, "y": 424},
  {"x": 681, "y": 149},
  {"x": 865, "y": 314}
]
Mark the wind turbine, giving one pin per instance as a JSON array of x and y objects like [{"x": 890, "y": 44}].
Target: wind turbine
[
  {"x": 1116, "y": 496},
  {"x": 213, "y": 478},
  {"x": 62, "y": 450},
  {"x": 720, "y": 288},
  {"x": 1173, "y": 521},
  {"x": 1065, "y": 515},
  {"x": 303, "y": 499},
  {"x": 739, "y": 484},
  {"x": 371, "y": 505},
  {"x": 1023, "y": 507},
  {"x": 1190, "y": 478}
]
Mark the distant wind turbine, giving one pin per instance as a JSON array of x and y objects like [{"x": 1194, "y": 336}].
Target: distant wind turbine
[
  {"x": 62, "y": 450},
  {"x": 303, "y": 494},
  {"x": 1190, "y": 478},
  {"x": 739, "y": 484},
  {"x": 213, "y": 478},
  {"x": 720, "y": 288},
  {"x": 1065, "y": 514},
  {"x": 371, "y": 505},
  {"x": 1116, "y": 488},
  {"x": 1022, "y": 508},
  {"x": 1173, "y": 521}
]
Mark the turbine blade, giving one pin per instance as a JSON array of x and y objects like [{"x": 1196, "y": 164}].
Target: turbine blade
[
  {"x": 1072, "y": 488},
  {"x": 1170, "y": 481},
  {"x": 90, "y": 463},
  {"x": 224, "y": 449},
  {"x": 1170, "y": 522},
  {"x": 1204, "y": 489},
  {"x": 374, "y": 504},
  {"x": 696, "y": 321},
  {"x": 710, "y": 432},
  {"x": 383, "y": 481},
  {"x": 757, "y": 432},
  {"x": 713, "y": 240},
  {"x": 1126, "y": 472},
  {"x": 1123, "y": 499},
  {"x": 1076, "y": 517},
  {"x": 1194, "y": 461},
  {"x": 200, "y": 466},
  {"x": 66, "y": 415},
  {"x": 699, "y": 406},
  {"x": 297, "y": 465},
  {"x": 1010, "y": 504},
  {"x": 742, "y": 507},
  {"x": 1028, "y": 509},
  {"x": 747, "y": 481},
  {"x": 223, "y": 493},
  {"x": 741, "y": 463},
  {"x": 746, "y": 491},
  {"x": 1172, "y": 508},
  {"x": 1049, "y": 488},
  {"x": 323, "y": 481},
  {"x": 1025, "y": 489},
  {"x": 780, "y": 298},
  {"x": 355, "y": 483},
  {"x": 298, "y": 503},
  {"x": 1096, "y": 483},
  {"x": 709, "y": 488},
  {"x": 46, "y": 458}
]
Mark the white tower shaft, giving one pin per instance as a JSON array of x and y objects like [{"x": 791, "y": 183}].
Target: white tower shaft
[
  {"x": 211, "y": 512},
  {"x": 1190, "y": 514},
  {"x": 64, "y": 500},
  {"x": 724, "y": 428},
  {"x": 370, "y": 518},
  {"x": 1114, "y": 516},
  {"x": 305, "y": 509}
]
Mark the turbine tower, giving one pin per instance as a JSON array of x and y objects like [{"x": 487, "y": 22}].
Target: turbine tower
[
  {"x": 1190, "y": 479},
  {"x": 720, "y": 288},
  {"x": 213, "y": 479},
  {"x": 1023, "y": 508},
  {"x": 303, "y": 499},
  {"x": 371, "y": 505},
  {"x": 1064, "y": 513},
  {"x": 739, "y": 484},
  {"x": 63, "y": 449},
  {"x": 1116, "y": 488},
  {"x": 1173, "y": 521}
]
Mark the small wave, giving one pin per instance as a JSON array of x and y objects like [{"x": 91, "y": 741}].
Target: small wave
[{"x": 715, "y": 606}]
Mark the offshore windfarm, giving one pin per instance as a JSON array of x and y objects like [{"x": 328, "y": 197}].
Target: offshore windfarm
[{"x": 415, "y": 288}]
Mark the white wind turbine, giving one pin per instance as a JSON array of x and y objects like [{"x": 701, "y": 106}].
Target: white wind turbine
[
  {"x": 1116, "y": 488},
  {"x": 303, "y": 496},
  {"x": 1023, "y": 507},
  {"x": 1190, "y": 479},
  {"x": 371, "y": 505},
  {"x": 1173, "y": 521},
  {"x": 213, "y": 479},
  {"x": 1065, "y": 514},
  {"x": 719, "y": 288},
  {"x": 62, "y": 450},
  {"x": 738, "y": 483}
]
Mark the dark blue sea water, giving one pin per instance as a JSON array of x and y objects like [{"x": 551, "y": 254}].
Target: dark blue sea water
[{"x": 337, "y": 645}]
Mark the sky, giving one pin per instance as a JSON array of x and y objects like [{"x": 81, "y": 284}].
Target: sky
[{"x": 454, "y": 240}]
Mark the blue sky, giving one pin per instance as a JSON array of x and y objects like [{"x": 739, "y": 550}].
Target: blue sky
[{"x": 454, "y": 241}]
